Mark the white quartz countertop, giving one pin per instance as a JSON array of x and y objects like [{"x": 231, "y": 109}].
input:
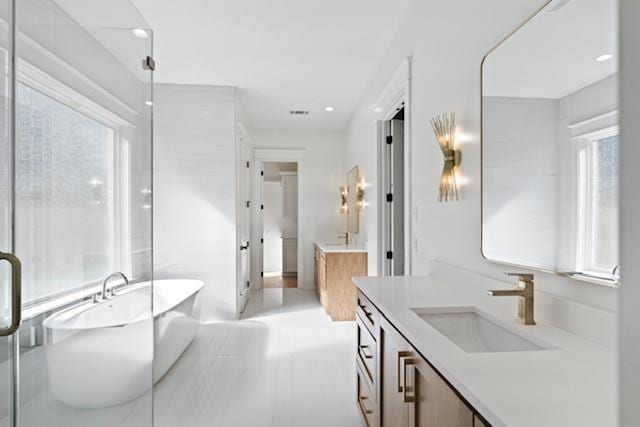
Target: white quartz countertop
[
  {"x": 571, "y": 384},
  {"x": 328, "y": 247}
]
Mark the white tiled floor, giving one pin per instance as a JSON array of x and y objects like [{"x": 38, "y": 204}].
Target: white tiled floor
[{"x": 285, "y": 364}]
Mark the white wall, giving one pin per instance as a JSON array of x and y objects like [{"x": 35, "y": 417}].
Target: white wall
[
  {"x": 323, "y": 173},
  {"x": 272, "y": 200},
  {"x": 630, "y": 155},
  {"x": 361, "y": 150},
  {"x": 451, "y": 231},
  {"x": 195, "y": 191}
]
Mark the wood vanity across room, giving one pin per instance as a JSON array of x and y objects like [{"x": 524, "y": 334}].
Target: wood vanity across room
[{"x": 335, "y": 266}]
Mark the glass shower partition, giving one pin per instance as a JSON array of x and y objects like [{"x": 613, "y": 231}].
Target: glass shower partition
[{"x": 75, "y": 209}]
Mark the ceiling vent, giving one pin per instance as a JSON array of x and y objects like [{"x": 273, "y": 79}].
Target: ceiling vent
[
  {"x": 557, "y": 5},
  {"x": 299, "y": 112}
]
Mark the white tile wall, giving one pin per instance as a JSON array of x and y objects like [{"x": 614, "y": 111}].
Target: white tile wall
[
  {"x": 195, "y": 183},
  {"x": 521, "y": 166}
]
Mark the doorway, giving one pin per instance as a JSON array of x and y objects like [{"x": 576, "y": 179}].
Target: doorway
[
  {"x": 392, "y": 162},
  {"x": 280, "y": 224}
]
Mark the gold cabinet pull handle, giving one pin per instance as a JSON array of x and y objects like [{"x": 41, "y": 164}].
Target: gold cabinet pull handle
[
  {"x": 364, "y": 309},
  {"x": 406, "y": 397},
  {"x": 401, "y": 356},
  {"x": 16, "y": 298},
  {"x": 364, "y": 407},
  {"x": 366, "y": 352}
]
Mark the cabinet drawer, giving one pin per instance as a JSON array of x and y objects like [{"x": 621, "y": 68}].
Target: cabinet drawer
[
  {"x": 367, "y": 350},
  {"x": 366, "y": 401},
  {"x": 367, "y": 312}
]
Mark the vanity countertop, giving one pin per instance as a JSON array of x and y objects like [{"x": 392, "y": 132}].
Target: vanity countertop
[
  {"x": 571, "y": 384},
  {"x": 328, "y": 247}
]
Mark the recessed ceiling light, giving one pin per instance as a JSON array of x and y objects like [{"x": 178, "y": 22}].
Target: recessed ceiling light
[
  {"x": 328, "y": 109},
  {"x": 604, "y": 58},
  {"x": 140, "y": 33},
  {"x": 148, "y": 103},
  {"x": 377, "y": 110}
]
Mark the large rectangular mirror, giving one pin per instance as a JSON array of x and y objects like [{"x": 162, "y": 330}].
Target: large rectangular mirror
[{"x": 550, "y": 197}]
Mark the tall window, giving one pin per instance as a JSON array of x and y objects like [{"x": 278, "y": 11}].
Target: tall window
[
  {"x": 599, "y": 203},
  {"x": 65, "y": 195}
]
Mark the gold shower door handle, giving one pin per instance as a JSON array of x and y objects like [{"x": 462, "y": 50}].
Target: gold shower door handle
[{"x": 16, "y": 298}]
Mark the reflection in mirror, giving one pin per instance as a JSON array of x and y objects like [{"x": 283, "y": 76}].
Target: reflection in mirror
[{"x": 550, "y": 143}]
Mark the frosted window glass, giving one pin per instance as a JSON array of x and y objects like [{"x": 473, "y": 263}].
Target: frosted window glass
[
  {"x": 65, "y": 225},
  {"x": 605, "y": 222}
]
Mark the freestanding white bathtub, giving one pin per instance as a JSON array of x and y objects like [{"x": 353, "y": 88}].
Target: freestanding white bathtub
[{"x": 102, "y": 354}]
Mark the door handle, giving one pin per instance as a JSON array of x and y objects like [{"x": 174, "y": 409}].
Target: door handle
[
  {"x": 244, "y": 247},
  {"x": 16, "y": 298}
]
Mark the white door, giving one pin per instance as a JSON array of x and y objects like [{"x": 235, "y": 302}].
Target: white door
[
  {"x": 259, "y": 216},
  {"x": 244, "y": 225}
]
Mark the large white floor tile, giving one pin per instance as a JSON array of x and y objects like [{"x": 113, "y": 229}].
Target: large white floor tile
[{"x": 285, "y": 364}]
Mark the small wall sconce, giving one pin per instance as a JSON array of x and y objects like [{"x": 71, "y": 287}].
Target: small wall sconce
[
  {"x": 445, "y": 129},
  {"x": 360, "y": 194},
  {"x": 344, "y": 205}
]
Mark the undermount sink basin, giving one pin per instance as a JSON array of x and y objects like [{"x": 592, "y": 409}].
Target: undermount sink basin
[{"x": 473, "y": 332}]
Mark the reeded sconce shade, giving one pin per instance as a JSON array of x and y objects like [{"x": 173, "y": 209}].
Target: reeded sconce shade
[
  {"x": 360, "y": 194},
  {"x": 344, "y": 205},
  {"x": 445, "y": 129}
]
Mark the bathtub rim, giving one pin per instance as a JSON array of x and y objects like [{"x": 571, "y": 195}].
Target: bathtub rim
[{"x": 50, "y": 324}]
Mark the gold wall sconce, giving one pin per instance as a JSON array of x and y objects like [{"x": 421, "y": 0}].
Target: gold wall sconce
[
  {"x": 344, "y": 205},
  {"x": 360, "y": 194},
  {"x": 354, "y": 193},
  {"x": 444, "y": 128}
]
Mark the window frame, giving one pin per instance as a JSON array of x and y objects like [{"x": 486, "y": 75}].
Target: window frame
[
  {"x": 585, "y": 157},
  {"x": 119, "y": 165}
]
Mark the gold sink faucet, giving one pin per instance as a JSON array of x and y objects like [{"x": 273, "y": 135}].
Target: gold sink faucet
[
  {"x": 345, "y": 236},
  {"x": 525, "y": 293}
]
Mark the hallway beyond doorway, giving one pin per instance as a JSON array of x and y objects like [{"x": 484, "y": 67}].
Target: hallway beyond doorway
[{"x": 277, "y": 281}]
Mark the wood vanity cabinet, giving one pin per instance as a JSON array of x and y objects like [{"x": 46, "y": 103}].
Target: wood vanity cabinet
[
  {"x": 408, "y": 391},
  {"x": 333, "y": 274}
]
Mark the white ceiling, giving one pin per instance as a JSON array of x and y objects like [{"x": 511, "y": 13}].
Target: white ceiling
[
  {"x": 282, "y": 54},
  {"x": 555, "y": 53}
]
